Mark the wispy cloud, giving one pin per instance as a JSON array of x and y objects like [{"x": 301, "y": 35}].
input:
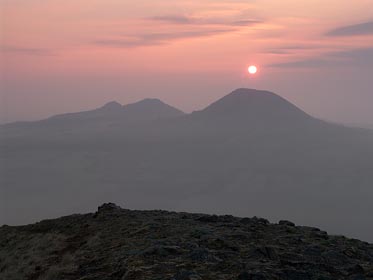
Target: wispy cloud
[
  {"x": 127, "y": 43},
  {"x": 354, "y": 57},
  {"x": 306, "y": 63},
  {"x": 27, "y": 50},
  {"x": 180, "y": 26},
  {"x": 151, "y": 39},
  {"x": 290, "y": 49},
  {"x": 357, "y": 56},
  {"x": 188, "y": 20},
  {"x": 353, "y": 30},
  {"x": 244, "y": 22},
  {"x": 176, "y": 19}
]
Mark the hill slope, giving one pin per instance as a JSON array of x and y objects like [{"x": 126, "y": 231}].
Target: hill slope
[
  {"x": 147, "y": 109},
  {"x": 258, "y": 105},
  {"x": 110, "y": 115},
  {"x": 119, "y": 244}
]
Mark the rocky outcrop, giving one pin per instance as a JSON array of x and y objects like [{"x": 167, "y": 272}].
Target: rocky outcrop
[{"x": 121, "y": 244}]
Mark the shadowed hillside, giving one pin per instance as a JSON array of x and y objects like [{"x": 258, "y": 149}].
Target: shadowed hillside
[
  {"x": 121, "y": 244},
  {"x": 254, "y": 105}
]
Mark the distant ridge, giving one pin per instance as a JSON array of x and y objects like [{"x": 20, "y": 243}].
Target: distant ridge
[
  {"x": 111, "y": 106},
  {"x": 241, "y": 105},
  {"x": 256, "y": 103},
  {"x": 253, "y": 108},
  {"x": 152, "y": 108},
  {"x": 147, "y": 109}
]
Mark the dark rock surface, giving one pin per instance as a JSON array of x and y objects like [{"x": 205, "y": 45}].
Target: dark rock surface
[{"x": 120, "y": 244}]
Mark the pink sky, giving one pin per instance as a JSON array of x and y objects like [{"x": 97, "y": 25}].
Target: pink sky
[{"x": 61, "y": 56}]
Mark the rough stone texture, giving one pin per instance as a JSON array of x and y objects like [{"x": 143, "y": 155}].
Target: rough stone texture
[{"x": 120, "y": 244}]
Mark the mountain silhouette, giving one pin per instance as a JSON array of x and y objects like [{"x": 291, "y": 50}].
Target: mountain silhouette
[
  {"x": 144, "y": 110},
  {"x": 249, "y": 111},
  {"x": 151, "y": 109},
  {"x": 256, "y": 104},
  {"x": 111, "y": 106}
]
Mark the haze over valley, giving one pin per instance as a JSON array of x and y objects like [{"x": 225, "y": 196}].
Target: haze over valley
[{"x": 250, "y": 153}]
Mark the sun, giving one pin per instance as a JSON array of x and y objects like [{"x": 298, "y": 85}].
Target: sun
[{"x": 252, "y": 69}]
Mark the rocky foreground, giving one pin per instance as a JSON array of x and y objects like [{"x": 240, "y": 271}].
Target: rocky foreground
[{"x": 116, "y": 243}]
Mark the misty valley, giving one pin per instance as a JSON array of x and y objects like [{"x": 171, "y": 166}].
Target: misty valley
[{"x": 251, "y": 153}]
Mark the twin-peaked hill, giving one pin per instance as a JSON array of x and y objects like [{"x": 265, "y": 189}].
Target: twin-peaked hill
[
  {"x": 145, "y": 110},
  {"x": 250, "y": 153}
]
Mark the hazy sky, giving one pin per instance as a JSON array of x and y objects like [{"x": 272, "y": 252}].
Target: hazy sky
[{"x": 69, "y": 55}]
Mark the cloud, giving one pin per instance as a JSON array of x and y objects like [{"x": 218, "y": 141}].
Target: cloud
[
  {"x": 173, "y": 19},
  {"x": 186, "y": 20},
  {"x": 354, "y": 57},
  {"x": 151, "y": 39},
  {"x": 306, "y": 63},
  {"x": 279, "y": 52},
  {"x": 353, "y": 30},
  {"x": 290, "y": 49},
  {"x": 127, "y": 43},
  {"x": 185, "y": 27},
  {"x": 245, "y": 22},
  {"x": 298, "y": 47},
  {"x": 27, "y": 50}
]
